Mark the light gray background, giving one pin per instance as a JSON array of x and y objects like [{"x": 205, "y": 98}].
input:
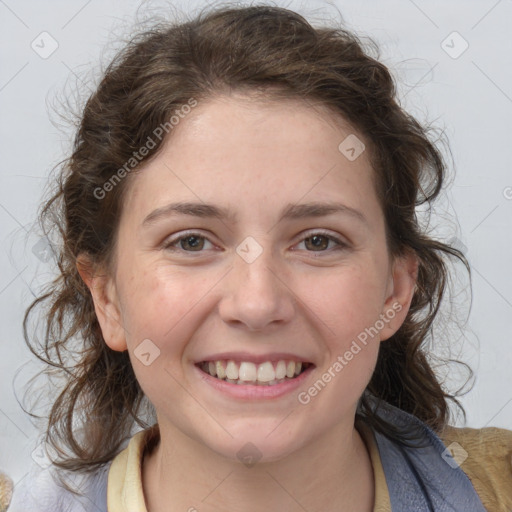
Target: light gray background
[{"x": 470, "y": 97}]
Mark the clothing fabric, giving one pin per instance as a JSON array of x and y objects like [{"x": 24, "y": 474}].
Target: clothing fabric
[{"x": 462, "y": 470}]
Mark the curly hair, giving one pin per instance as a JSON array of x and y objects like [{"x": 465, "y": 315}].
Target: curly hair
[{"x": 277, "y": 53}]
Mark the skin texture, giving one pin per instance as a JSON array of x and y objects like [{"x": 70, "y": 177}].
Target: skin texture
[{"x": 254, "y": 159}]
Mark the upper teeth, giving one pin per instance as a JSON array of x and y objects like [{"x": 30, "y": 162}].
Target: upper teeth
[{"x": 245, "y": 371}]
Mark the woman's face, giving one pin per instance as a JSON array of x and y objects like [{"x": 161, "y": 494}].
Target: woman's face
[{"x": 253, "y": 238}]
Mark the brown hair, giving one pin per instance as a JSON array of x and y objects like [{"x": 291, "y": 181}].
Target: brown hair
[{"x": 260, "y": 48}]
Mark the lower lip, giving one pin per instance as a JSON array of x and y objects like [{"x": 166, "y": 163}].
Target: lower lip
[{"x": 249, "y": 391}]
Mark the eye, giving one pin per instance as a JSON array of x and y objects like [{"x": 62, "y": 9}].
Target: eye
[
  {"x": 322, "y": 242},
  {"x": 190, "y": 242}
]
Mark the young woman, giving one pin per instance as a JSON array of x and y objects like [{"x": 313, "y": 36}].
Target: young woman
[{"x": 244, "y": 276}]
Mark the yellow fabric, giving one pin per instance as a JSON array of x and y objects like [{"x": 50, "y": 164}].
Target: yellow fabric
[
  {"x": 488, "y": 463},
  {"x": 488, "y": 466},
  {"x": 124, "y": 491},
  {"x": 382, "y": 502},
  {"x": 6, "y": 486}
]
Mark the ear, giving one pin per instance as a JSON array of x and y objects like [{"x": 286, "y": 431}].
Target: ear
[
  {"x": 106, "y": 303},
  {"x": 402, "y": 283}
]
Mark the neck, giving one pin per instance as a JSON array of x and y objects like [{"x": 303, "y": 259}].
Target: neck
[{"x": 330, "y": 474}]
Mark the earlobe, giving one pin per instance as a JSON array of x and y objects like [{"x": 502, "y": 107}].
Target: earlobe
[
  {"x": 402, "y": 285},
  {"x": 106, "y": 305}
]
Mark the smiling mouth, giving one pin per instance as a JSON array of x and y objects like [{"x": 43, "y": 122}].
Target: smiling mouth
[{"x": 247, "y": 373}]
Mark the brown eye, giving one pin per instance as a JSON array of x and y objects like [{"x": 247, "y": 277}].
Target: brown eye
[
  {"x": 321, "y": 242},
  {"x": 317, "y": 242},
  {"x": 192, "y": 243},
  {"x": 187, "y": 243}
]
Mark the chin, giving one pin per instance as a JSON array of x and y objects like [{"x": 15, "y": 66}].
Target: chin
[{"x": 257, "y": 442}]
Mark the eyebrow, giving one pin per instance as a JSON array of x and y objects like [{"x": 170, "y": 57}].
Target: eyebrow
[{"x": 290, "y": 212}]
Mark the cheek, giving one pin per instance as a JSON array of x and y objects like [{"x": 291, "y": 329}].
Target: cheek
[
  {"x": 347, "y": 306},
  {"x": 163, "y": 306},
  {"x": 167, "y": 306},
  {"x": 156, "y": 301},
  {"x": 347, "y": 301}
]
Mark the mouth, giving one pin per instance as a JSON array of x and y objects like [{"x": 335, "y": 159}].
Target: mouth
[{"x": 267, "y": 373}]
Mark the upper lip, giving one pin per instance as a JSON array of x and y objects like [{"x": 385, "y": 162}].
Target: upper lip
[{"x": 254, "y": 358}]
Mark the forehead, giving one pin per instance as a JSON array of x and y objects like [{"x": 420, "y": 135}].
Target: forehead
[
  {"x": 240, "y": 114},
  {"x": 239, "y": 146}
]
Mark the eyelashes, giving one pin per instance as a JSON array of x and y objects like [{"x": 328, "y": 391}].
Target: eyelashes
[
  {"x": 318, "y": 240},
  {"x": 195, "y": 241},
  {"x": 315, "y": 241}
]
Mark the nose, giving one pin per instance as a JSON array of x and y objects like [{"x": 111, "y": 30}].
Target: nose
[{"x": 256, "y": 295}]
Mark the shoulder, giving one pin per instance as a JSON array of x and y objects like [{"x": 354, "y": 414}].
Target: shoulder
[
  {"x": 124, "y": 478},
  {"x": 47, "y": 490},
  {"x": 428, "y": 470},
  {"x": 485, "y": 455}
]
